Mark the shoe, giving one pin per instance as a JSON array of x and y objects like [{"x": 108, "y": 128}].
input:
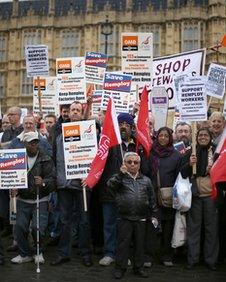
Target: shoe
[
  {"x": 129, "y": 263},
  {"x": 2, "y": 261},
  {"x": 211, "y": 267},
  {"x": 168, "y": 263},
  {"x": 105, "y": 261},
  {"x": 12, "y": 248},
  {"x": 141, "y": 273},
  {"x": 60, "y": 260},
  {"x": 19, "y": 259},
  {"x": 39, "y": 258},
  {"x": 87, "y": 262},
  {"x": 148, "y": 264},
  {"x": 118, "y": 273}
]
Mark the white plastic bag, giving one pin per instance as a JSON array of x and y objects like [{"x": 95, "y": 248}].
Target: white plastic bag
[
  {"x": 179, "y": 231},
  {"x": 182, "y": 194}
]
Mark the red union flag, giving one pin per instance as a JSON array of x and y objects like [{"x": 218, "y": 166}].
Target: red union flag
[
  {"x": 143, "y": 130},
  {"x": 218, "y": 171},
  {"x": 110, "y": 137}
]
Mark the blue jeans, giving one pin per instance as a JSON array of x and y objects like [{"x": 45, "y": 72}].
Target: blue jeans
[
  {"x": 67, "y": 198},
  {"x": 54, "y": 216},
  {"x": 110, "y": 217},
  {"x": 26, "y": 217}
]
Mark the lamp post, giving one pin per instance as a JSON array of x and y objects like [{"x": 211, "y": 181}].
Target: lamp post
[{"x": 106, "y": 30}]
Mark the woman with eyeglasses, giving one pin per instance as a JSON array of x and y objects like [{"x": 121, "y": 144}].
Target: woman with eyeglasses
[{"x": 163, "y": 168}]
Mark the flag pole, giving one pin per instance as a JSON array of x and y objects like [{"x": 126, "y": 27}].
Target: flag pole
[
  {"x": 38, "y": 243},
  {"x": 194, "y": 129},
  {"x": 84, "y": 198}
]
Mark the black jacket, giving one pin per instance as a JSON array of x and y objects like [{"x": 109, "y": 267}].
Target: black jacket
[
  {"x": 45, "y": 168},
  {"x": 135, "y": 198}
]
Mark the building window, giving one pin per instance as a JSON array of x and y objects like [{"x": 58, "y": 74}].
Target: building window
[
  {"x": 31, "y": 37},
  {"x": 110, "y": 44},
  {"x": 156, "y": 30},
  {"x": 26, "y": 83},
  {"x": 2, "y": 84},
  {"x": 190, "y": 36},
  {"x": 70, "y": 43},
  {"x": 3, "y": 48}
]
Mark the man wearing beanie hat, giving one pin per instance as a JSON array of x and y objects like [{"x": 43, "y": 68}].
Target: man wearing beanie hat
[
  {"x": 41, "y": 173},
  {"x": 113, "y": 164}
]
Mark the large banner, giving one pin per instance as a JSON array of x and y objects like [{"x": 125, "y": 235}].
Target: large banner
[
  {"x": 137, "y": 57},
  {"x": 193, "y": 101},
  {"x": 118, "y": 87},
  {"x": 80, "y": 147},
  {"x": 13, "y": 169},
  {"x": 71, "y": 80},
  {"x": 215, "y": 84},
  {"x": 48, "y": 87},
  {"x": 37, "y": 62},
  {"x": 165, "y": 68},
  {"x": 95, "y": 67}
]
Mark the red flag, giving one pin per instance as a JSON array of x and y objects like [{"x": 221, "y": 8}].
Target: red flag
[
  {"x": 143, "y": 130},
  {"x": 110, "y": 137},
  {"x": 223, "y": 41},
  {"x": 218, "y": 170}
]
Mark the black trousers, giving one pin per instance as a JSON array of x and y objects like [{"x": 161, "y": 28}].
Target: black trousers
[
  {"x": 1, "y": 246},
  {"x": 128, "y": 232}
]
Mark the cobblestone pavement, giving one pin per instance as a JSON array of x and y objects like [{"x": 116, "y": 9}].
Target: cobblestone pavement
[{"x": 75, "y": 271}]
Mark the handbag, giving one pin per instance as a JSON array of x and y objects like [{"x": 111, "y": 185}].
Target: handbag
[{"x": 165, "y": 194}]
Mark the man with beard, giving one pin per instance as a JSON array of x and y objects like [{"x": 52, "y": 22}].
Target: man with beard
[
  {"x": 183, "y": 133},
  {"x": 113, "y": 164}
]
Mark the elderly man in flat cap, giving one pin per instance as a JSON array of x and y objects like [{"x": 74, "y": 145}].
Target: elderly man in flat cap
[{"x": 41, "y": 174}]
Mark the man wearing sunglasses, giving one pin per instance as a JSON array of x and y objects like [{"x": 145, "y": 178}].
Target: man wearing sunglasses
[{"x": 135, "y": 200}]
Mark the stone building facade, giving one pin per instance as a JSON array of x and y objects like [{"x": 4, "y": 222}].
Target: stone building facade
[{"x": 72, "y": 27}]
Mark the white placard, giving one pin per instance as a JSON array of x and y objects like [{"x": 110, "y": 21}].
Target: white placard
[
  {"x": 37, "y": 62},
  {"x": 193, "y": 102},
  {"x": 215, "y": 84},
  {"x": 48, "y": 88},
  {"x": 183, "y": 63},
  {"x": 95, "y": 67},
  {"x": 159, "y": 106},
  {"x": 137, "y": 57},
  {"x": 13, "y": 169},
  {"x": 80, "y": 147},
  {"x": 71, "y": 80}
]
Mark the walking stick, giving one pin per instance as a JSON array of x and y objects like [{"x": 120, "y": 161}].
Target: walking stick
[{"x": 37, "y": 211}]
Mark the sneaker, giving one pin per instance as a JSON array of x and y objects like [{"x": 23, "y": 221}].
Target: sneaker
[
  {"x": 39, "y": 258},
  {"x": 129, "y": 262},
  {"x": 19, "y": 259},
  {"x": 105, "y": 261},
  {"x": 148, "y": 264},
  {"x": 168, "y": 263}
]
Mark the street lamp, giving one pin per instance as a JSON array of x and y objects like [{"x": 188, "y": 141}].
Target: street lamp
[{"x": 106, "y": 30}]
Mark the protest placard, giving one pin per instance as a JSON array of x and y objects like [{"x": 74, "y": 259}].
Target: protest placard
[
  {"x": 165, "y": 68},
  {"x": 80, "y": 147},
  {"x": 96, "y": 105},
  {"x": 70, "y": 74},
  {"x": 95, "y": 67},
  {"x": 215, "y": 84},
  {"x": 159, "y": 106},
  {"x": 13, "y": 169},
  {"x": 193, "y": 102},
  {"x": 48, "y": 86},
  {"x": 118, "y": 87},
  {"x": 137, "y": 57},
  {"x": 37, "y": 62}
]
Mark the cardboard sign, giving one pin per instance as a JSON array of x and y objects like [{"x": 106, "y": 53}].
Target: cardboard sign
[
  {"x": 70, "y": 74},
  {"x": 80, "y": 147},
  {"x": 180, "y": 147},
  {"x": 193, "y": 101},
  {"x": 159, "y": 106},
  {"x": 13, "y": 169},
  {"x": 95, "y": 67},
  {"x": 117, "y": 86},
  {"x": 97, "y": 98},
  {"x": 165, "y": 68},
  {"x": 137, "y": 57},
  {"x": 215, "y": 84},
  {"x": 37, "y": 62},
  {"x": 48, "y": 87}
]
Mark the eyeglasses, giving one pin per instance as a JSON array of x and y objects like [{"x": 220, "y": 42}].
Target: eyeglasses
[{"x": 130, "y": 162}]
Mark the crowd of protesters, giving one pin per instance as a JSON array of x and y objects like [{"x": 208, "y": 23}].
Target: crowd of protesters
[{"x": 124, "y": 215}]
